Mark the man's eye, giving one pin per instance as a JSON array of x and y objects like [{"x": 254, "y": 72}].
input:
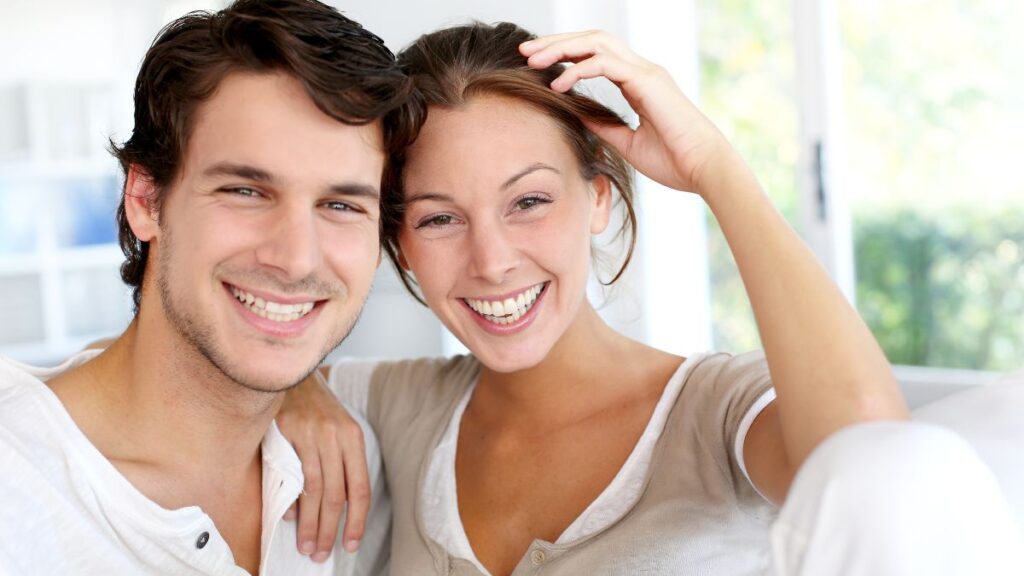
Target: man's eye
[
  {"x": 243, "y": 191},
  {"x": 340, "y": 206}
]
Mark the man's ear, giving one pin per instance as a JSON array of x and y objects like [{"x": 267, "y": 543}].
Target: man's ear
[
  {"x": 140, "y": 204},
  {"x": 602, "y": 204}
]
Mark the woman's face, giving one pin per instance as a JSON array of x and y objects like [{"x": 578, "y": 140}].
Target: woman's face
[{"x": 497, "y": 228}]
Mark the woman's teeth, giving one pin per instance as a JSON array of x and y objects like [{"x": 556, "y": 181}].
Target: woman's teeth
[
  {"x": 508, "y": 310},
  {"x": 272, "y": 310}
]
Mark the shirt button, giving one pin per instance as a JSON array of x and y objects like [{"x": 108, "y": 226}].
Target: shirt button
[
  {"x": 202, "y": 540},
  {"x": 537, "y": 557}
]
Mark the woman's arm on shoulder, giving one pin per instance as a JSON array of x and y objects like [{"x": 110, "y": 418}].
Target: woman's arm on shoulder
[{"x": 330, "y": 444}]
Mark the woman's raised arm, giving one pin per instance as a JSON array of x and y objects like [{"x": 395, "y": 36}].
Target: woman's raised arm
[{"x": 827, "y": 368}]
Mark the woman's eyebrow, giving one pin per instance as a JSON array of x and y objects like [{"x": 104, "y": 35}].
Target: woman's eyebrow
[
  {"x": 423, "y": 196},
  {"x": 527, "y": 171}
]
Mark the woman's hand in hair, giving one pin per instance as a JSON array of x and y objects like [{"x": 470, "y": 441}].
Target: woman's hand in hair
[
  {"x": 330, "y": 445},
  {"x": 674, "y": 144}
]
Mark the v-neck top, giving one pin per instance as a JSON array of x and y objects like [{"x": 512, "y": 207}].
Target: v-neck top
[{"x": 745, "y": 391}]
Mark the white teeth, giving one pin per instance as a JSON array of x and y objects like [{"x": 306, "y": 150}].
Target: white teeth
[
  {"x": 507, "y": 310},
  {"x": 274, "y": 311}
]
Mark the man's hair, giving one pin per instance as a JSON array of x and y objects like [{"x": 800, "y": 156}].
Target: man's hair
[
  {"x": 452, "y": 66},
  {"x": 346, "y": 70}
]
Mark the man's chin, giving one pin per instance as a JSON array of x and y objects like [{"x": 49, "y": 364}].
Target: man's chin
[{"x": 270, "y": 379}]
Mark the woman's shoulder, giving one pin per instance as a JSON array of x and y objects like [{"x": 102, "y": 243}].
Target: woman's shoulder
[
  {"x": 413, "y": 370},
  {"x": 419, "y": 372},
  {"x": 721, "y": 387},
  {"x": 727, "y": 370},
  {"x": 397, "y": 387}
]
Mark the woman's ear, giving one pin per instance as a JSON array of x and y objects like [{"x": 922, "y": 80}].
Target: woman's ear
[
  {"x": 140, "y": 204},
  {"x": 602, "y": 204}
]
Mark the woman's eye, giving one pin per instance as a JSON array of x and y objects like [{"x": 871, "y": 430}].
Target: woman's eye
[
  {"x": 530, "y": 202},
  {"x": 435, "y": 221}
]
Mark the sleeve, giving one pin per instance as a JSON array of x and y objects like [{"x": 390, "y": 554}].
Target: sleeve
[
  {"x": 734, "y": 390},
  {"x": 762, "y": 402}
]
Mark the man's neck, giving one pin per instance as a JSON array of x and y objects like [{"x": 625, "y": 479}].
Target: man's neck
[{"x": 150, "y": 401}]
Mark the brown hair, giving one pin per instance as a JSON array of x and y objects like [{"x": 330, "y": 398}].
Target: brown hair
[
  {"x": 346, "y": 70},
  {"x": 451, "y": 66}
]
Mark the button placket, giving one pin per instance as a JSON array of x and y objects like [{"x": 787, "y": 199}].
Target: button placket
[{"x": 538, "y": 557}]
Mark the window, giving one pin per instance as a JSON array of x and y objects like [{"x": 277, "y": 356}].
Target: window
[
  {"x": 922, "y": 118},
  {"x": 934, "y": 119},
  {"x": 747, "y": 76}
]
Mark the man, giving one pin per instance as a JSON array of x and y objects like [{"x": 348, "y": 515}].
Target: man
[{"x": 250, "y": 226}]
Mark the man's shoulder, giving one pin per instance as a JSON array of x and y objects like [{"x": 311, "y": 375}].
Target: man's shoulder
[
  {"x": 20, "y": 384},
  {"x": 23, "y": 387}
]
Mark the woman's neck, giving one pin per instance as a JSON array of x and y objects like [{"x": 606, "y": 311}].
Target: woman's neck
[{"x": 590, "y": 366}]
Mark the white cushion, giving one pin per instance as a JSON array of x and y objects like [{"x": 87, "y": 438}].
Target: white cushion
[{"x": 991, "y": 418}]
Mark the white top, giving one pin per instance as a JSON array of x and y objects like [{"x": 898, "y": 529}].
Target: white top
[
  {"x": 440, "y": 510},
  {"x": 65, "y": 508}
]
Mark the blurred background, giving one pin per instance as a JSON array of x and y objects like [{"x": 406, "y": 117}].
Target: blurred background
[{"x": 888, "y": 134}]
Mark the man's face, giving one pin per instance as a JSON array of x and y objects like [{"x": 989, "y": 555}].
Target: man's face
[{"x": 268, "y": 241}]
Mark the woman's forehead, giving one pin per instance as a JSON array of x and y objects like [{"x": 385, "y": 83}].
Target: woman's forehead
[{"x": 487, "y": 131}]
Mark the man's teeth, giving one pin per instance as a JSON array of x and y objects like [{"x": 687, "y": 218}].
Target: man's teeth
[
  {"x": 507, "y": 310},
  {"x": 272, "y": 310}
]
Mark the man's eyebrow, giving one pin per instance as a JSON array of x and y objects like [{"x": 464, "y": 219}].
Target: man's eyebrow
[
  {"x": 527, "y": 171},
  {"x": 239, "y": 170},
  {"x": 364, "y": 190},
  {"x": 259, "y": 175}
]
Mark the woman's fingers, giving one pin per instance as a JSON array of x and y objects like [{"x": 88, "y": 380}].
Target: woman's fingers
[
  {"x": 575, "y": 47},
  {"x": 357, "y": 479},
  {"x": 531, "y": 47},
  {"x": 610, "y": 67},
  {"x": 309, "y": 500},
  {"x": 618, "y": 136},
  {"x": 332, "y": 503}
]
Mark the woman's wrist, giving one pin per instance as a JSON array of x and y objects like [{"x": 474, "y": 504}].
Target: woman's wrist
[{"x": 727, "y": 182}]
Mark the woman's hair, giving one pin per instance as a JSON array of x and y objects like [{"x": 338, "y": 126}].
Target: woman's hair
[
  {"x": 450, "y": 67},
  {"x": 346, "y": 70}
]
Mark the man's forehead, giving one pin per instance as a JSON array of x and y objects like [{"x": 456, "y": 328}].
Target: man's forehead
[{"x": 267, "y": 121}]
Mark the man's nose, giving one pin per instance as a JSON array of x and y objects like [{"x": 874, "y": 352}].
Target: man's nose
[{"x": 291, "y": 247}]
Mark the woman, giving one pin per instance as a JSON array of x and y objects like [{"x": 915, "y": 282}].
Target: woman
[{"x": 574, "y": 448}]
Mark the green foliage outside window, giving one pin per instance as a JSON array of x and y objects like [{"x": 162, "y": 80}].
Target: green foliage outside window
[{"x": 935, "y": 118}]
